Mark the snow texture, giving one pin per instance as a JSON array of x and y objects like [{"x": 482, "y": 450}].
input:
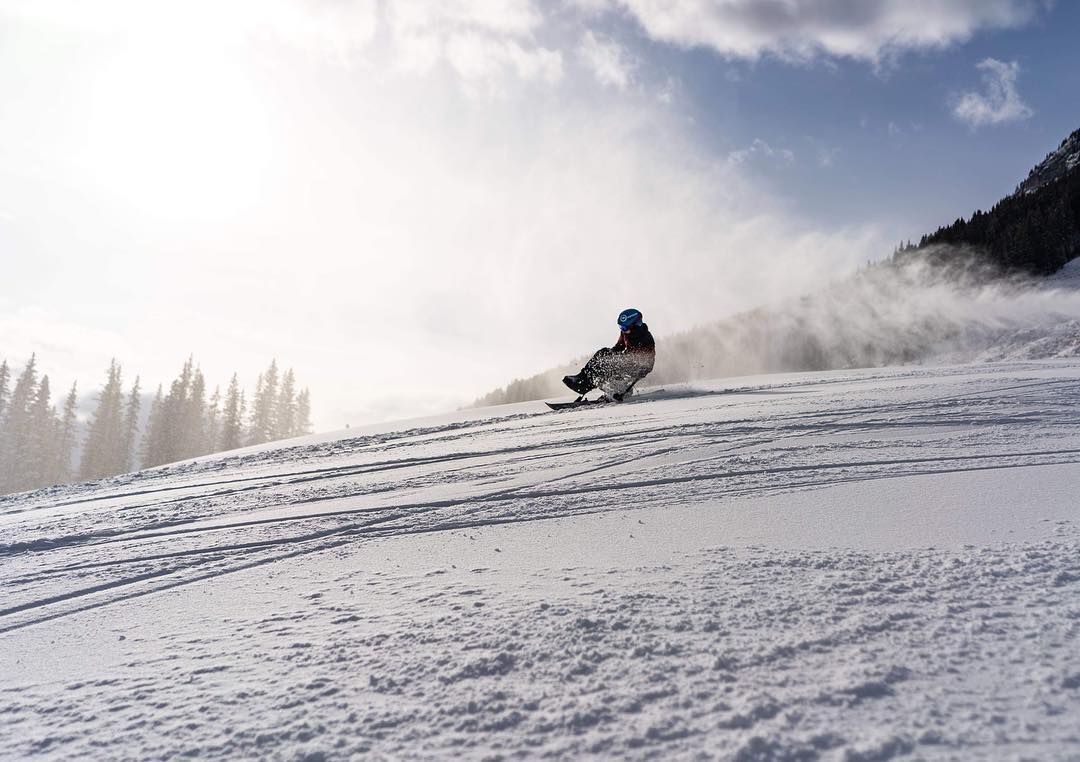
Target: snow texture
[{"x": 858, "y": 565}]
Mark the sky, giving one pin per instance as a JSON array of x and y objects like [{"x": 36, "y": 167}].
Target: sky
[{"x": 413, "y": 202}]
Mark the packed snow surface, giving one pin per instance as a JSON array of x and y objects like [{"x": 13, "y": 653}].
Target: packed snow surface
[{"x": 839, "y": 566}]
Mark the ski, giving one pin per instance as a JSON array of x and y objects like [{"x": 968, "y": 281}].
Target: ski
[
  {"x": 577, "y": 403},
  {"x": 640, "y": 397}
]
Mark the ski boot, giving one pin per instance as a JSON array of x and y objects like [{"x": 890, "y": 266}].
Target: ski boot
[{"x": 578, "y": 383}]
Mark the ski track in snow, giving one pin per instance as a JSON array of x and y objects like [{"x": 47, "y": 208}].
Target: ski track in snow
[{"x": 412, "y": 592}]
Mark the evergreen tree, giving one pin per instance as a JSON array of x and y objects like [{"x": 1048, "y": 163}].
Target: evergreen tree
[
  {"x": 213, "y": 422},
  {"x": 263, "y": 425},
  {"x": 126, "y": 455},
  {"x": 65, "y": 439},
  {"x": 232, "y": 418},
  {"x": 151, "y": 446},
  {"x": 41, "y": 439},
  {"x": 171, "y": 435},
  {"x": 37, "y": 447},
  {"x": 253, "y": 426},
  {"x": 192, "y": 433},
  {"x": 303, "y": 413},
  {"x": 103, "y": 452},
  {"x": 285, "y": 415},
  {"x": 15, "y": 434},
  {"x": 1035, "y": 230},
  {"x": 5, "y": 379}
]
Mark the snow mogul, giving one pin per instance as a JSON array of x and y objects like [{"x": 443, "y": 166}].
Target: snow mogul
[{"x": 615, "y": 370}]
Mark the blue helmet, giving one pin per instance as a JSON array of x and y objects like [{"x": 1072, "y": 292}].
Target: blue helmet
[{"x": 628, "y": 319}]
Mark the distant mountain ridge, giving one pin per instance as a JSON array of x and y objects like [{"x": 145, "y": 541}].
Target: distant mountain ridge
[
  {"x": 1056, "y": 165},
  {"x": 1034, "y": 230}
]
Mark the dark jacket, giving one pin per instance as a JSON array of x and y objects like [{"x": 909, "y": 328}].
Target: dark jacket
[{"x": 636, "y": 340}]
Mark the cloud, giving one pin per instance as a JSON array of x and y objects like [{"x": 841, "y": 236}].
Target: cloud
[
  {"x": 669, "y": 91},
  {"x": 483, "y": 63},
  {"x": 516, "y": 18},
  {"x": 609, "y": 61},
  {"x": 338, "y": 29},
  {"x": 341, "y": 28},
  {"x": 802, "y": 30},
  {"x": 591, "y": 7},
  {"x": 1000, "y": 103},
  {"x": 826, "y": 156},
  {"x": 759, "y": 148},
  {"x": 484, "y": 43}
]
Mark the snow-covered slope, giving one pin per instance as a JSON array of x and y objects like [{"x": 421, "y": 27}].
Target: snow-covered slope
[{"x": 846, "y": 565}]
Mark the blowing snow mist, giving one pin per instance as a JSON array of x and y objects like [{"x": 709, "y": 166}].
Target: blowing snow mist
[{"x": 890, "y": 314}]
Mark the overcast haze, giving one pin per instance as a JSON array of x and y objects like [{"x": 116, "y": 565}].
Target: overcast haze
[{"x": 413, "y": 202}]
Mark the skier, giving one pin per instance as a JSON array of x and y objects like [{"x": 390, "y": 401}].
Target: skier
[{"x": 615, "y": 370}]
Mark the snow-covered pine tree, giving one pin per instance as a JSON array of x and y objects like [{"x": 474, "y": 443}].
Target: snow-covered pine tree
[
  {"x": 232, "y": 418},
  {"x": 213, "y": 422},
  {"x": 174, "y": 409},
  {"x": 253, "y": 430},
  {"x": 41, "y": 439},
  {"x": 303, "y": 413},
  {"x": 153, "y": 435},
  {"x": 5, "y": 380},
  {"x": 103, "y": 450},
  {"x": 193, "y": 419},
  {"x": 264, "y": 407},
  {"x": 65, "y": 438},
  {"x": 126, "y": 456},
  {"x": 15, "y": 432},
  {"x": 285, "y": 418}
]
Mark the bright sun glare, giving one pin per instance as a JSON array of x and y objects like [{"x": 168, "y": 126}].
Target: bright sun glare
[{"x": 177, "y": 135}]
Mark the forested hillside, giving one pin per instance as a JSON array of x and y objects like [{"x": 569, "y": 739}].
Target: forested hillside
[
  {"x": 41, "y": 446},
  {"x": 1035, "y": 230}
]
